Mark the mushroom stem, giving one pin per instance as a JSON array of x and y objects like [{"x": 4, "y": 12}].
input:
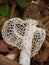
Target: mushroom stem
[
  {"x": 24, "y": 58},
  {"x": 25, "y": 54}
]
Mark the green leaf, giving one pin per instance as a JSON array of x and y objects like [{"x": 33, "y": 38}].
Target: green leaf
[
  {"x": 21, "y": 3},
  {"x": 4, "y": 11}
]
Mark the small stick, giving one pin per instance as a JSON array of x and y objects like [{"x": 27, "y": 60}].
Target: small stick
[
  {"x": 13, "y": 54},
  {"x": 45, "y": 19},
  {"x": 47, "y": 23},
  {"x": 41, "y": 25},
  {"x": 6, "y": 61},
  {"x": 13, "y": 10}
]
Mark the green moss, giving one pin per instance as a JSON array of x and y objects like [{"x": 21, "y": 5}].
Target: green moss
[{"x": 4, "y": 11}]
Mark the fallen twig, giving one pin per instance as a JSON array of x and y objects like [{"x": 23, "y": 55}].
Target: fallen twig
[
  {"x": 13, "y": 10},
  {"x": 45, "y": 19},
  {"x": 13, "y": 54},
  {"x": 6, "y": 61},
  {"x": 42, "y": 25}
]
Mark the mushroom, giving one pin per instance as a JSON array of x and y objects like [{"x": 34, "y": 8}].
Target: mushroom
[{"x": 25, "y": 35}]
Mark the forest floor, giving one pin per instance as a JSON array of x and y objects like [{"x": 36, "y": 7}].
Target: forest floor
[{"x": 37, "y": 11}]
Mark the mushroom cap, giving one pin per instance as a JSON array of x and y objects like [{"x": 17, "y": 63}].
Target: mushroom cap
[
  {"x": 13, "y": 32},
  {"x": 38, "y": 40}
]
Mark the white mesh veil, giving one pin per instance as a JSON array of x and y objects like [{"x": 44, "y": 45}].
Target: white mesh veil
[{"x": 13, "y": 32}]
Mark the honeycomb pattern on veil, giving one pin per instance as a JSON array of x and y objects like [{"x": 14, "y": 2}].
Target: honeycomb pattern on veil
[
  {"x": 20, "y": 26},
  {"x": 8, "y": 31},
  {"x": 37, "y": 41},
  {"x": 39, "y": 37}
]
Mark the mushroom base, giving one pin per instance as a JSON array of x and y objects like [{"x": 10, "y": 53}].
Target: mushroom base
[{"x": 24, "y": 58}]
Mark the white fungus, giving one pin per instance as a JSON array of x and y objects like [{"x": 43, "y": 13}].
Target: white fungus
[{"x": 25, "y": 35}]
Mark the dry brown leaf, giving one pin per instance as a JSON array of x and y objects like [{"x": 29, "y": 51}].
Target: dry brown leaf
[
  {"x": 6, "y": 61},
  {"x": 43, "y": 55},
  {"x": 5, "y": 47},
  {"x": 46, "y": 43},
  {"x": 2, "y": 21}
]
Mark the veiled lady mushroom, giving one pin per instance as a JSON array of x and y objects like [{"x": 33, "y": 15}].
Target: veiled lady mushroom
[{"x": 25, "y": 35}]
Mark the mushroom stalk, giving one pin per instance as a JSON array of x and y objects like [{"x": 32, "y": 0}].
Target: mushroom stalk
[
  {"x": 25, "y": 54},
  {"x": 24, "y": 58}
]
